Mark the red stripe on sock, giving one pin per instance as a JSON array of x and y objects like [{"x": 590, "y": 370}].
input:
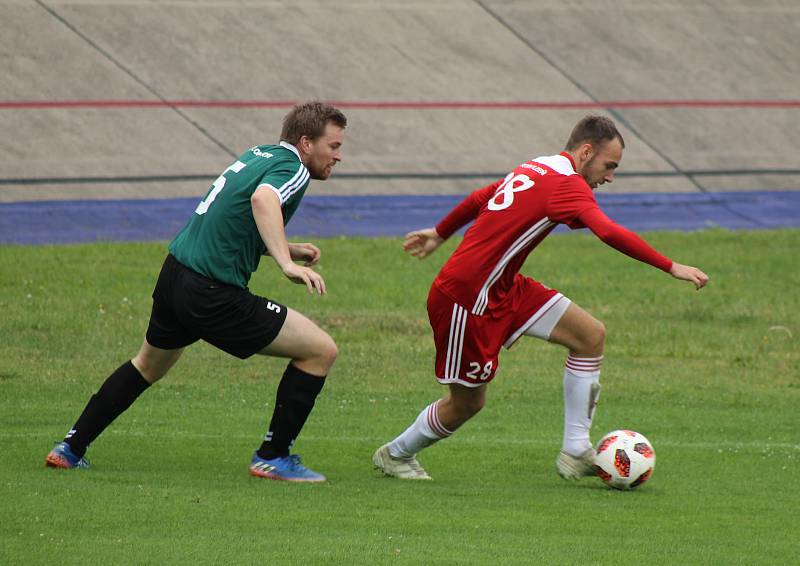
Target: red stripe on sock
[
  {"x": 584, "y": 364},
  {"x": 434, "y": 423}
]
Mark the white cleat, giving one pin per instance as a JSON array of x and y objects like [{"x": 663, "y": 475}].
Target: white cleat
[
  {"x": 575, "y": 467},
  {"x": 405, "y": 469}
]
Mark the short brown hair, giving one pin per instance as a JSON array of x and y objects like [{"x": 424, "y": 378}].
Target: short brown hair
[
  {"x": 593, "y": 129},
  {"x": 309, "y": 119}
]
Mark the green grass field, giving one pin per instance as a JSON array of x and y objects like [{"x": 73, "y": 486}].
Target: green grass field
[{"x": 711, "y": 377}]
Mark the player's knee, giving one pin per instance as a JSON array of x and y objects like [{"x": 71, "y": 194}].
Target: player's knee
[
  {"x": 589, "y": 339},
  {"x": 600, "y": 335},
  {"x": 327, "y": 352},
  {"x": 595, "y": 338}
]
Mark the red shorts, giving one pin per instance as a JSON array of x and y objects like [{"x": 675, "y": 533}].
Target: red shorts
[{"x": 467, "y": 345}]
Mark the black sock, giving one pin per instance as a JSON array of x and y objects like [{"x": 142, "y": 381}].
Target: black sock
[
  {"x": 297, "y": 392},
  {"x": 116, "y": 394}
]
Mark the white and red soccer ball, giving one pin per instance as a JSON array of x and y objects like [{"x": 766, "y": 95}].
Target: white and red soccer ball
[{"x": 624, "y": 459}]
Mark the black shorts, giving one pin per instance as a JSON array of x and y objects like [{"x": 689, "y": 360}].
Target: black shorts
[{"x": 188, "y": 307}]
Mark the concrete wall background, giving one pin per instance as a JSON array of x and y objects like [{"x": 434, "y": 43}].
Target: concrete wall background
[{"x": 441, "y": 50}]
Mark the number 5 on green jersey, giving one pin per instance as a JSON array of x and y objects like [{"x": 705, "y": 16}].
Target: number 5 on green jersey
[{"x": 219, "y": 184}]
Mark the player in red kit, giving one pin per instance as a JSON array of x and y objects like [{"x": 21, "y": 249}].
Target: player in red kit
[{"x": 479, "y": 301}]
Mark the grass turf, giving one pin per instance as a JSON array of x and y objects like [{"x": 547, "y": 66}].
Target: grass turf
[{"x": 712, "y": 378}]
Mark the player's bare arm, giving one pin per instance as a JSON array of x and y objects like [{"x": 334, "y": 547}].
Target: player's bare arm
[
  {"x": 269, "y": 220},
  {"x": 306, "y": 252},
  {"x": 422, "y": 243}
]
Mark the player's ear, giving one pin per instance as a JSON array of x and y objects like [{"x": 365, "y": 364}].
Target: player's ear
[{"x": 304, "y": 144}]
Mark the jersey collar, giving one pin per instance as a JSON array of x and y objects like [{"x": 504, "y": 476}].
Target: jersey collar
[
  {"x": 568, "y": 156},
  {"x": 290, "y": 147}
]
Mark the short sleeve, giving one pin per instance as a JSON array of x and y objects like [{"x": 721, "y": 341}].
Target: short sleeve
[
  {"x": 569, "y": 200},
  {"x": 286, "y": 180}
]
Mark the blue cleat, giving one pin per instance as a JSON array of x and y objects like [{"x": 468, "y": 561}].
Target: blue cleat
[
  {"x": 62, "y": 456},
  {"x": 288, "y": 468}
]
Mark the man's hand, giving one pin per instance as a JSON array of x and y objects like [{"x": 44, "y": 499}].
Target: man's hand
[
  {"x": 689, "y": 273},
  {"x": 422, "y": 243},
  {"x": 304, "y": 275},
  {"x": 309, "y": 254}
]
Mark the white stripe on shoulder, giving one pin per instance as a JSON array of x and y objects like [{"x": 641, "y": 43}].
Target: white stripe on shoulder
[
  {"x": 289, "y": 185},
  {"x": 558, "y": 163},
  {"x": 298, "y": 185}
]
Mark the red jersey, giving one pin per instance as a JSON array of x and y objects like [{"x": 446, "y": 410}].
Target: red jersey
[{"x": 511, "y": 217}]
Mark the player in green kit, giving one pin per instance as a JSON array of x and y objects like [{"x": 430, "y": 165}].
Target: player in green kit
[{"x": 202, "y": 294}]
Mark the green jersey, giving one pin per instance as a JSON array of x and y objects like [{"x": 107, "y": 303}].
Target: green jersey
[{"x": 221, "y": 239}]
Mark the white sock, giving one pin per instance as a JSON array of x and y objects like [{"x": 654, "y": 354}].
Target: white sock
[
  {"x": 581, "y": 390},
  {"x": 423, "y": 432}
]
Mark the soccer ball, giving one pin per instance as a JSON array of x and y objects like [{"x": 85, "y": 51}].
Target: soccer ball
[{"x": 624, "y": 459}]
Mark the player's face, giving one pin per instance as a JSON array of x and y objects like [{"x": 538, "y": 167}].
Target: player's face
[
  {"x": 325, "y": 152},
  {"x": 600, "y": 168}
]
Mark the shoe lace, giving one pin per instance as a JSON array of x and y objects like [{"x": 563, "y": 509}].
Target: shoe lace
[{"x": 295, "y": 463}]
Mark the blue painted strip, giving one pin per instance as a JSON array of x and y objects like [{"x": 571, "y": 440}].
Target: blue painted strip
[{"x": 58, "y": 222}]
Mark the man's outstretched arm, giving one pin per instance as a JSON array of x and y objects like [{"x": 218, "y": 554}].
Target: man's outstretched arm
[{"x": 630, "y": 244}]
